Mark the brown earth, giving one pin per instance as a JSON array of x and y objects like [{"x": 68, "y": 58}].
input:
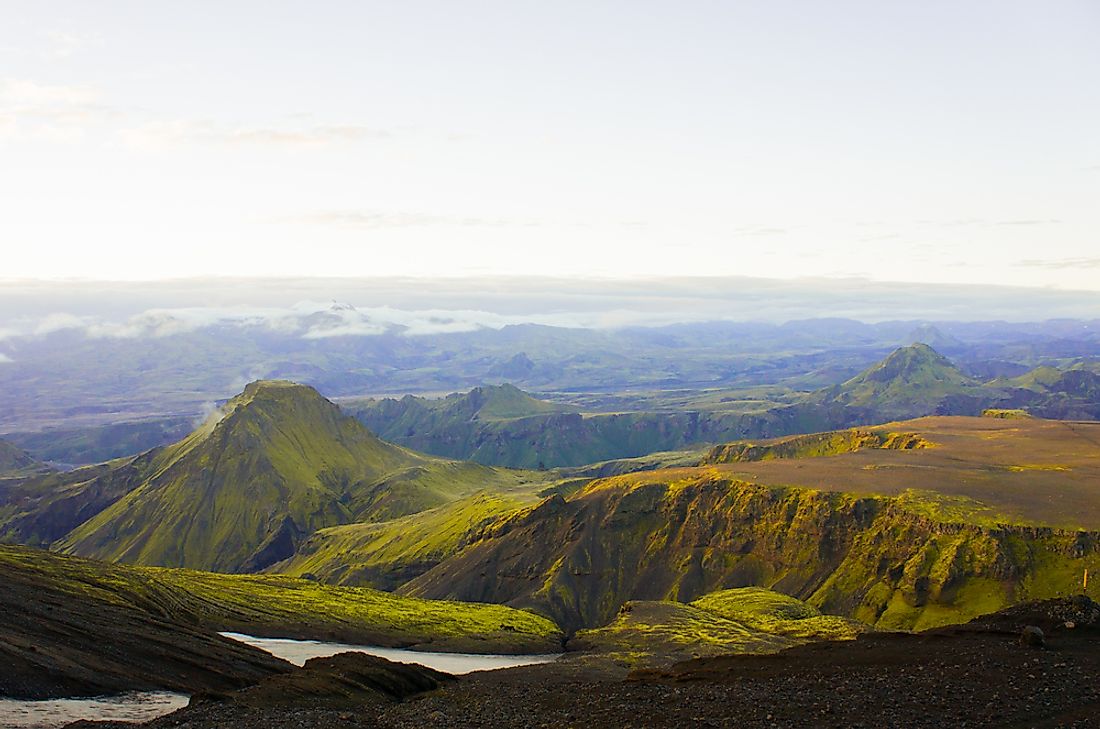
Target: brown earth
[
  {"x": 1028, "y": 470},
  {"x": 979, "y": 674}
]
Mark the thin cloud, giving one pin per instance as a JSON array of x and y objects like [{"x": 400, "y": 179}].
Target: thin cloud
[
  {"x": 954, "y": 223},
  {"x": 27, "y": 94},
  {"x": 183, "y": 131},
  {"x": 32, "y": 109},
  {"x": 1060, "y": 263},
  {"x": 1049, "y": 221},
  {"x": 382, "y": 219},
  {"x": 63, "y": 44}
]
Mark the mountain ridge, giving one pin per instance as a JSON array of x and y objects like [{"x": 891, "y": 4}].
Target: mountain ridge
[{"x": 275, "y": 464}]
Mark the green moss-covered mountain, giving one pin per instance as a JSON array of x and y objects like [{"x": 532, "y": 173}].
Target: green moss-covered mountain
[
  {"x": 241, "y": 492},
  {"x": 987, "y": 513},
  {"x": 907, "y": 384}
]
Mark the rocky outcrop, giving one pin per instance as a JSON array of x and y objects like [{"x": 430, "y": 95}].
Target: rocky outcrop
[
  {"x": 349, "y": 680},
  {"x": 831, "y": 443}
]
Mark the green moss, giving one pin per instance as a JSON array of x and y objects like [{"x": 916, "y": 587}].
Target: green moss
[
  {"x": 745, "y": 620},
  {"x": 280, "y": 606},
  {"x": 387, "y": 553}
]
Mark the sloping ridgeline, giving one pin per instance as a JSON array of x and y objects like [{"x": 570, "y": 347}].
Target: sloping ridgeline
[
  {"x": 242, "y": 491},
  {"x": 888, "y": 554}
]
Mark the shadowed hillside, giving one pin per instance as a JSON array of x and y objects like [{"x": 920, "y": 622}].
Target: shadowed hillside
[{"x": 16, "y": 463}]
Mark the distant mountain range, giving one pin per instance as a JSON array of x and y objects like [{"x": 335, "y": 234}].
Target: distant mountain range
[
  {"x": 501, "y": 425},
  {"x": 162, "y": 368}
]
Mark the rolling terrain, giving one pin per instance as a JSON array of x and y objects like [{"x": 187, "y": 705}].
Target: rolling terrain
[
  {"x": 154, "y": 376},
  {"x": 500, "y": 425},
  {"x": 278, "y": 463}
]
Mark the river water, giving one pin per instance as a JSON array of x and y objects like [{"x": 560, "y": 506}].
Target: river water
[
  {"x": 137, "y": 706},
  {"x": 146, "y": 705},
  {"x": 299, "y": 651}
]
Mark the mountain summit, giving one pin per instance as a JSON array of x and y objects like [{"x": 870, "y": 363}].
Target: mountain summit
[
  {"x": 278, "y": 463},
  {"x": 910, "y": 382}
]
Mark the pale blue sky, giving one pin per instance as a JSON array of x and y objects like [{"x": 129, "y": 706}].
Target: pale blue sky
[{"x": 932, "y": 141}]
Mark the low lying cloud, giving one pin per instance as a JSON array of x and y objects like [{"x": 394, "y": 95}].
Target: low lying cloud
[
  {"x": 320, "y": 320},
  {"x": 5, "y": 359},
  {"x": 410, "y": 307}
]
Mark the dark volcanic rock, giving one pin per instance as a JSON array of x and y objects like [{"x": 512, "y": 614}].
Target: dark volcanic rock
[
  {"x": 346, "y": 679},
  {"x": 1032, "y": 636}
]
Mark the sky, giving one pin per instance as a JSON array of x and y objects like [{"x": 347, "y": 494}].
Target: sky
[{"x": 938, "y": 142}]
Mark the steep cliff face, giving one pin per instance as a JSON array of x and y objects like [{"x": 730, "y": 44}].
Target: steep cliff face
[
  {"x": 832, "y": 443},
  {"x": 679, "y": 534}
]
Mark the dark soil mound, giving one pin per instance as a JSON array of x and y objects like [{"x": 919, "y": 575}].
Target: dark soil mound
[{"x": 346, "y": 679}]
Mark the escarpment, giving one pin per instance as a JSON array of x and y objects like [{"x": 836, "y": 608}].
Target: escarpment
[
  {"x": 832, "y": 443},
  {"x": 678, "y": 534}
]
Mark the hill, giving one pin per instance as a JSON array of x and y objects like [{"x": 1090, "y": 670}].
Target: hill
[
  {"x": 16, "y": 463},
  {"x": 239, "y": 493},
  {"x": 548, "y": 435},
  {"x": 989, "y": 513},
  {"x": 913, "y": 381}
]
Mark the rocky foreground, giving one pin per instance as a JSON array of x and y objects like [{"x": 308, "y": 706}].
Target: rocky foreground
[{"x": 1031, "y": 666}]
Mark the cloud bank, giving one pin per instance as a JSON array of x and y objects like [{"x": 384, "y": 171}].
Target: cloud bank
[{"x": 421, "y": 307}]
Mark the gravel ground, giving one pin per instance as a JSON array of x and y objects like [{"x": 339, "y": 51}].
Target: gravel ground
[{"x": 970, "y": 676}]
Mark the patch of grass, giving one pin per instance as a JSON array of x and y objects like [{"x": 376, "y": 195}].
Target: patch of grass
[
  {"x": 274, "y": 602},
  {"x": 778, "y": 614},
  {"x": 387, "y": 553},
  {"x": 742, "y": 620},
  {"x": 950, "y": 509}
]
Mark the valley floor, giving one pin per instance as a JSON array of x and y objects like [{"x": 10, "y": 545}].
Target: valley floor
[{"x": 979, "y": 674}]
